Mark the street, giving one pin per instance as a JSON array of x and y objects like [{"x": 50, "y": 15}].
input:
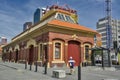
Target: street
[{"x": 15, "y": 71}]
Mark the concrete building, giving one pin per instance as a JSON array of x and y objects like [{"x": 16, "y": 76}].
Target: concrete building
[
  {"x": 101, "y": 28},
  {"x": 55, "y": 38},
  {"x": 115, "y": 31},
  {"x": 38, "y": 14},
  {"x": 27, "y": 25},
  {"x": 3, "y": 41}
]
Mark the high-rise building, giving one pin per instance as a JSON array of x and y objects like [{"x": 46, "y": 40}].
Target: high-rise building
[
  {"x": 3, "y": 41},
  {"x": 27, "y": 25},
  {"x": 38, "y": 14},
  {"x": 115, "y": 30}
]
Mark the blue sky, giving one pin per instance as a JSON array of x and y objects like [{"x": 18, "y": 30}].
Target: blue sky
[{"x": 14, "y": 13}]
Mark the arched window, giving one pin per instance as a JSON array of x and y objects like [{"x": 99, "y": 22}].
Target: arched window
[
  {"x": 41, "y": 50},
  {"x": 87, "y": 52},
  {"x": 57, "y": 50}
]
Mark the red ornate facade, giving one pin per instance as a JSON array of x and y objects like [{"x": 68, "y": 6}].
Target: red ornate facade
[{"x": 54, "y": 39}]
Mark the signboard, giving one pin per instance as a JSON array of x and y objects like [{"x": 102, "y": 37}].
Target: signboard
[{"x": 105, "y": 58}]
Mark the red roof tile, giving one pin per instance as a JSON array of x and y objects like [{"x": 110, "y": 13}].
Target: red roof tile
[{"x": 70, "y": 25}]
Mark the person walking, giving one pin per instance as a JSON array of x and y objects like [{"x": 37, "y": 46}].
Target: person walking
[{"x": 71, "y": 65}]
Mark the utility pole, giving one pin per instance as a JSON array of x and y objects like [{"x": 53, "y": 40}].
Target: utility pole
[{"x": 109, "y": 42}]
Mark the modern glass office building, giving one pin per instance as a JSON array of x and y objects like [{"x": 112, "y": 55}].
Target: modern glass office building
[{"x": 37, "y": 15}]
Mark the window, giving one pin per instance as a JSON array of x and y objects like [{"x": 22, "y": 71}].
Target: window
[
  {"x": 118, "y": 36},
  {"x": 41, "y": 51},
  {"x": 65, "y": 18},
  {"x": 103, "y": 43},
  {"x": 86, "y": 52},
  {"x": 57, "y": 50},
  {"x": 68, "y": 19},
  {"x": 104, "y": 38},
  {"x": 61, "y": 17},
  {"x": 119, "y": 41},
  {"x": 101, "y": 30},
  {"x": 103, "y": 34}
]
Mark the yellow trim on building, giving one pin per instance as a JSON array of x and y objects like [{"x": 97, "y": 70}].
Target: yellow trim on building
[
  {"x": 66, "y": 44},
  {"x": 17, "y": 47},
  {"x": 58, "y": 61},
  {"x": 48, "y": 14},
  {"x": 39, "y": 47},
  {"x": 87, "y": 44},
  {"x": 82, "y": 45},
  {"x": 61, "y": 55},
  {"x": 49, "y": 42},
  {"x": 31, "y": 42}
]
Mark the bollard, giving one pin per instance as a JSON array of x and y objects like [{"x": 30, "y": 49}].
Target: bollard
[
  {"x": 36, "y": 67},
  {"x": 79, "y": 72},
  {"x": 26, "y": 65},
  {"x": 30, "y": 66}
]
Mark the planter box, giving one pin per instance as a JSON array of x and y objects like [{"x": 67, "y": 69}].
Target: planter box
[{"x": 59, "y": 74}]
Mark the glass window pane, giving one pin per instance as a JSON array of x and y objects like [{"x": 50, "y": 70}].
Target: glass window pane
[
  {"x": 61, "y": 17},
  {"x": 58, "y": 16},
  {"x": 68, "y": 18},
  {"x": 87, "y": 52},
  {"x": 57, "y": 50},
  {"x": 65, "y": 18}
]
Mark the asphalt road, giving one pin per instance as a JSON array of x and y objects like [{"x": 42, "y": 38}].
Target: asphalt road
[{"x": 15, "y": 71}]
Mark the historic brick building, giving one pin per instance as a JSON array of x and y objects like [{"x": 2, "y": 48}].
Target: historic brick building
[{"x": 55, "y": 38}]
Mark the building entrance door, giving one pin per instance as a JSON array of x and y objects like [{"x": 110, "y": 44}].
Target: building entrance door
[
  {"x": 16, "y": 55},
  {"x": 30, "y": 54},
  {"x": 74, "y": 51}
]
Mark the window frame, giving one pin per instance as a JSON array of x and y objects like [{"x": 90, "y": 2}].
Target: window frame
[
  {"x": 61, "y": 50},
  {"x": 86, "y": 52},
  {"x": 64, "y": 17},
  {"x": 57, "y": 50}
]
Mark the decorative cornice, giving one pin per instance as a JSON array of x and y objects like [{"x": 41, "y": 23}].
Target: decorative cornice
[{"x": 74, "y": 36}]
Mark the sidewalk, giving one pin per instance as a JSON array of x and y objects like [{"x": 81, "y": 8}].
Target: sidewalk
[
  {"x": 40, "y": 73},
  {"x": 88, "y": 73},
  {"x": 98, "y": 68}
]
